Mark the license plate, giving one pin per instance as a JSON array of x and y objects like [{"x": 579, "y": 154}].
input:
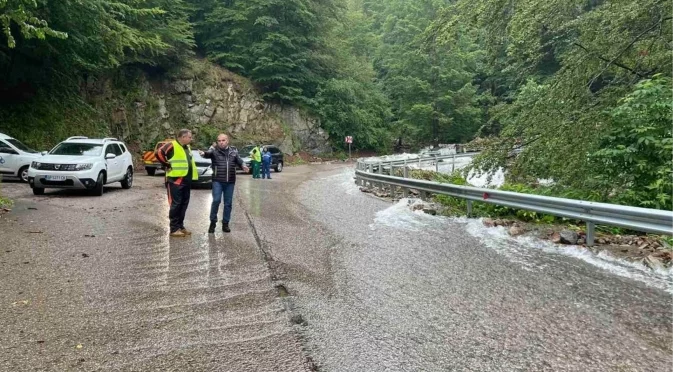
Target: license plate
[{"x": 55, "y": 178}]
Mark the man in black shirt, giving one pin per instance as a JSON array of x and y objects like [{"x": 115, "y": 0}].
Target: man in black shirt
[{"x": 225, "y": 159}]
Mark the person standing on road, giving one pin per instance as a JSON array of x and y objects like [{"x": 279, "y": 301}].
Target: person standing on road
[
  {"x": 225, "y": 159},
  {"x": 266, "y": 163},
  {"x": 255, "y": 161},
  {"x": 176, "y": 157}
]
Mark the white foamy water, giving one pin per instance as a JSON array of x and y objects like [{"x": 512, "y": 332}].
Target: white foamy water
[
  {"x": 474, "y": 178},
  {"x": 395, "y": 157},
  {"x": 401, "y": 216},
  {"x": 522, "y": 250}
]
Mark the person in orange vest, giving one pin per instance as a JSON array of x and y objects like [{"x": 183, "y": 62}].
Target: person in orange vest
[{"x": 176, "y": 157}]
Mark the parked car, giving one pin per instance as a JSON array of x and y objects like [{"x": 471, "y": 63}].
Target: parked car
[
  {"x": 204, "y": 167},
  {"x": 277, "y": 158},
  {"x": 15, "y": 157},
  {"x": 83, "y": 163}
]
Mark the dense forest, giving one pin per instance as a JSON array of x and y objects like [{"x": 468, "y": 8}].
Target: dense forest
[{"x": 582, "y": 86}]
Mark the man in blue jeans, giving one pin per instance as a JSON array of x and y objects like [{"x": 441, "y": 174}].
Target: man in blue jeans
[{"x": 225, "y": 160}]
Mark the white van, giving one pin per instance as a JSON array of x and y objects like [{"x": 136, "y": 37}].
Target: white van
[{"x": 15, "y": 157}]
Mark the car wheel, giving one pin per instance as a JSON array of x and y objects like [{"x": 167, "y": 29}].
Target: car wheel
[
  {"x": 127, "y": 182},
  {"x": 151, "y": 171},
  {"x": 279, "y": 167},
  {"x": 23, "y": 174},
  {"x": 100, "y": 182},
  {"x": 38, "y": 191}
]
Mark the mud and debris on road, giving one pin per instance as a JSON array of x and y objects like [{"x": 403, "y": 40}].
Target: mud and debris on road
[{"x": 314, "y": 276}]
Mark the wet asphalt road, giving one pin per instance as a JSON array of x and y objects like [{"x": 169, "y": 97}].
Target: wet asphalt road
[{"x": 314, "y": 275}]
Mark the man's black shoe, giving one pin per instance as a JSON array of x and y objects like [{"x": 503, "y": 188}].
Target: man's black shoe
[
  {"x": 211, "y": 229},
  {"x": 225, "y": 227}
]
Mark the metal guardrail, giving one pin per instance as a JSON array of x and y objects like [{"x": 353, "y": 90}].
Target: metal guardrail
[
  {"x": 592, "y": 213},
  {"x": 434, "y": 159}
]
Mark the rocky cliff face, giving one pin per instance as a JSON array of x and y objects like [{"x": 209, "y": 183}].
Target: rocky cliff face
[{"x": 208, "y": 100}]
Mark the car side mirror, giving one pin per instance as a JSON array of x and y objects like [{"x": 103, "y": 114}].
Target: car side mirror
[
  {"x": 110, "y": 155},
  {"x": 44, "y": 153}
]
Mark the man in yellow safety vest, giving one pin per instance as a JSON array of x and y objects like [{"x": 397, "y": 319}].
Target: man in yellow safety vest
[{"x": 176, "y": 157}]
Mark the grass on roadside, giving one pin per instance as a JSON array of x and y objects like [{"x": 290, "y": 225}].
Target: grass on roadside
[{"x": 5, "y": 203}]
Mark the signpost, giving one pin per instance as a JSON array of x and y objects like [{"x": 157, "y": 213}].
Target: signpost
[{"x": 349, "y": 140}]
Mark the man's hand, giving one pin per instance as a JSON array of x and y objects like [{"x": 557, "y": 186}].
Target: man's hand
[
  {"x": 246, "y": 169},
  {"x": 201, "y": 153}
]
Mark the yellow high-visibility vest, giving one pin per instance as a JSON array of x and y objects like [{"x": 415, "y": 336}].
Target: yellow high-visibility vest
[
  {"x": 179, "y": 166},
  {"x": 256, "y": 155}
]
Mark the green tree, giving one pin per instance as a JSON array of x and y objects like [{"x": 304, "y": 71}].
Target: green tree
[
  {"x": 279, "y": 44},
  {"x": 634, "y": 162},
  {"x": 564, "y": 65},
  {"x": 429, "y": 83},
  {"x": 22, "y": 14}
]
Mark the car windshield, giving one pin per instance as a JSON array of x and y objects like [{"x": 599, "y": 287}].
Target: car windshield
[
  {"x": 196, "y": 156},
  {"x": 84, "y": 149},
  {"x": 245, "y": 151},
  {"x": 20, "y": 145}
]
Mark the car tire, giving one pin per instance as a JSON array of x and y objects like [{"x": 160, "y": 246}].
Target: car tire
[
  {"x": 279, "y": 167},
  {"x": 127, "y": 182},
  {"x": 100, "y": 182},
  {"x": 38, "y": 191},
  {"x": 151, "y": 171},
  {"x": 23, "y": 174}
]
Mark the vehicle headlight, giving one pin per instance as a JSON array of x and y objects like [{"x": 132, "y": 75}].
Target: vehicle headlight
[
  {"x": 84, "y": 166},
  {"x": 35, "y": 165}
]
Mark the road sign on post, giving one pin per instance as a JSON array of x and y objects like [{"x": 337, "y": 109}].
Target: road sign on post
[{"x": 349, "y": 140}]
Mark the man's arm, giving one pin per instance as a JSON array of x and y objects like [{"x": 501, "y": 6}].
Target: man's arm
[
  {"x": 207, "y": 154},
  {"x": 238, "y": 160},
  {"x": 240, "y": 163},
  {"x": 164, "y": 153}
]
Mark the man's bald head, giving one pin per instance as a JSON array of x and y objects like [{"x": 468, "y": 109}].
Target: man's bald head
[{"x": 222, "y": 141}]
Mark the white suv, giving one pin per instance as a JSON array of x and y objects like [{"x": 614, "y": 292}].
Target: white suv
[
  {"x": 83, "y": 163},
  {"x": 15, "y": 157}
]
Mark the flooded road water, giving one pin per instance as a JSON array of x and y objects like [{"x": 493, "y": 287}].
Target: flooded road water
[{"x": 314, "y": 276}]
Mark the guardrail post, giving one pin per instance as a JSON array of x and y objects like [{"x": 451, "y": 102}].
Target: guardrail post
[
  {"x": 393, "y": 188},
  {"x": 469, "y": 208},
  {"x": 380, "y": 172},
  {"x": 436, "y": 164},
  {"x": 405, "y": 174},
  {"x": 419, "y": 161},
  {"x": 453, "y": 165},
  {"x": 590, "y": 234}
]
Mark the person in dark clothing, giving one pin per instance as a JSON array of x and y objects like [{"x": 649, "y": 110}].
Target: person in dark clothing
[
  {"x": 266, "y": 163},
  {"x": 176, "y": 157},
  {"x": 225, "y": 159}
]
